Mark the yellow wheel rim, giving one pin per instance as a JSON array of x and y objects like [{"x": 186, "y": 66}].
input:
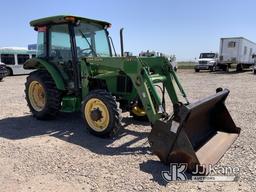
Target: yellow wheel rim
[
  {"x": 138, "y": 111},
  {"x": 97, "y": 114},
  {"x": 37, "y": 97}
]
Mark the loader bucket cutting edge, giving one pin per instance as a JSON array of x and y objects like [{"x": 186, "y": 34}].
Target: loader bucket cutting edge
[{"x": 205, "y": 131}]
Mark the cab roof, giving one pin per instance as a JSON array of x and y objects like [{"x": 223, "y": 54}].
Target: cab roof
[{"x": 64, "y": 19}]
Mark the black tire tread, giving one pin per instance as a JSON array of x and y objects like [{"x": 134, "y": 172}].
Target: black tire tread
[
  {"x": 53, "y": 103},
  {"x": 111, "y": 103}
]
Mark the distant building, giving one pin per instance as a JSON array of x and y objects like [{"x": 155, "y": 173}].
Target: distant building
[
  {"x": 127, "y": 54},
  {"x": 148, "y": 53},
  {"x": 152, "y": 54},
  {"x": 32, "y": 46}
]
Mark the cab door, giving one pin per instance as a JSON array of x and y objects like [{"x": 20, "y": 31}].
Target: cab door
[{"x": 60, "y": 51}]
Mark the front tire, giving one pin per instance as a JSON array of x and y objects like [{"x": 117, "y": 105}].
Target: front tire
[
  {"x": 213, "y": 68},
  {"x": 9, "y": 72},
  {"x": 101, "y": 114},
  {"x": 197, "y": 70},
  {"x": 42, "y": 95}
]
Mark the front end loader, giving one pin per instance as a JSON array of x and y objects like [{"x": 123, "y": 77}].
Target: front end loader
[{"x": 76, "y": 70}]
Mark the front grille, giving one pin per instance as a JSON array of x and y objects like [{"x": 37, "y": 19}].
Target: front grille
[
  {"x": 233, "y": 59},
  {"x": 203, "y": 62},
  {"x": 124, "y": 84}
]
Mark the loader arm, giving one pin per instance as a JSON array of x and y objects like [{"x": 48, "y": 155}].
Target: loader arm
[
  {"x": 197, "y": 134},
  {"x": 139, "y": 70}
]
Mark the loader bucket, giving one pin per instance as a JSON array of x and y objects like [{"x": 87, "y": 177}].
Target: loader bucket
[{"x": 199, "y": 134}]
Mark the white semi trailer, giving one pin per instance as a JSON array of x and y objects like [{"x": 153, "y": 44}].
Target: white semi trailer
[{"x": 236, "y": 52}]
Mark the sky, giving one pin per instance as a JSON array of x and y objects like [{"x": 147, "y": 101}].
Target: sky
[{"x": 181, "y": 27}]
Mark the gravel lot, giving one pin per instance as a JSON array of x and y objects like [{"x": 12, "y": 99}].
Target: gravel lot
[{"x": 60, "y": 155}]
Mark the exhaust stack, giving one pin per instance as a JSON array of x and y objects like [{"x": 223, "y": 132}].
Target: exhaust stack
[{"x": 122, "y": 41}]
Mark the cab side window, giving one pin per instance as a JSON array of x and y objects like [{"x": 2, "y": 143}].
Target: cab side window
[
  {"x": 41, "y": 42},
  {"x": 60, "y": 46}
]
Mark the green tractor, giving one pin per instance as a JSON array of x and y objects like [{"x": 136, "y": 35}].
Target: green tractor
[{"x": 76, "y": 69}]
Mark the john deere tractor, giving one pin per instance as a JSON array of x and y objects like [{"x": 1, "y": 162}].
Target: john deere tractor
[{"x": 76, "y": 70}]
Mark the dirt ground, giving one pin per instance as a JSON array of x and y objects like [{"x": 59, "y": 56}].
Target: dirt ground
[{"x": 60, "y": 155}]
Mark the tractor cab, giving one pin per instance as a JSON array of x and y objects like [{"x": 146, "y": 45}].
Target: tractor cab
[
  {"x": 63, "y": 40},
  {"x": 59, "y": 36}
]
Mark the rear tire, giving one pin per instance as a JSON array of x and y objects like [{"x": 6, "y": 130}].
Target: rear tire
[
  {"x": 197, "y": 70},
  {"x": 1, "y": 78},
  {"x": 101, "y": 114},
  {"x": 239, "y": 68},
  {"x": 42, "y": 95}
]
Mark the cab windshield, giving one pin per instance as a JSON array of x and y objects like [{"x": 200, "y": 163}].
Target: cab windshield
[
  {"x": 207, "y": 55},
  {"x": 91, "y": 41}
]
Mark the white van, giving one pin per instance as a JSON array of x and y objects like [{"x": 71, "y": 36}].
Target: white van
[{"x": 14, "y": 58}]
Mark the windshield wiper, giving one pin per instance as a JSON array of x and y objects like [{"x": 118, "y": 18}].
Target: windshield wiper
[{"x": 83, "y": 35}]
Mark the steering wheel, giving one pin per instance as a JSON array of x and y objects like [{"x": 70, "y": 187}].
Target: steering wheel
[{"x": 86, "y": 52}]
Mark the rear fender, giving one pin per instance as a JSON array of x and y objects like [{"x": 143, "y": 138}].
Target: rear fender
[{"x": 36, "y": 63}]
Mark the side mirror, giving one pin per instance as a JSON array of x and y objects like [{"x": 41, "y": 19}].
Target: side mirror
[{"x": 78, "y": 22}]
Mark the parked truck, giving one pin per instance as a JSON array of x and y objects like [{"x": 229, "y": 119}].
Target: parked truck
[
  {"x": 207, "y": 61},
  {"x": 236, "y": 52}
]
